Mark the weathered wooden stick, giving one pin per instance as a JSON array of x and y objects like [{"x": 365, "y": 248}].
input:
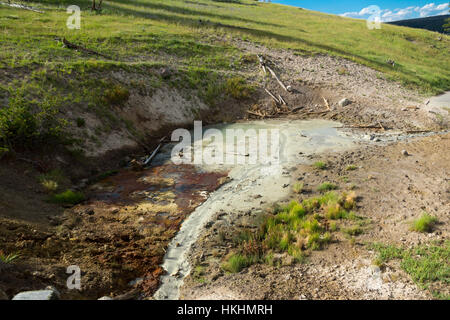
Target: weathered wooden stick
[
  {"x": 326, "y": 103},
  {"x": 273, "y": 97},
  {"x": 147, "y": 161},
  {"x": 276, "y": 78},
  {"x": 381, "y": 125},
  {"x": 282, "y": 100}
]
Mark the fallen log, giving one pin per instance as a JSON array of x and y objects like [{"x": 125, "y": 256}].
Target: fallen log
[{"x": 74, "y": 46}]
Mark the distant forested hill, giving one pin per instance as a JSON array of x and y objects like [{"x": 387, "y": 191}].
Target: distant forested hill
[{"x": 431, "y": 23}]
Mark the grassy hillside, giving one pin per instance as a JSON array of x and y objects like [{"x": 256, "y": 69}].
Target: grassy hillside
[{"x": 194, "y": 37}]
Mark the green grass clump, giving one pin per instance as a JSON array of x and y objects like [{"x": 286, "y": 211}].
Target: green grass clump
[
  {"x": 298, "y": 187},
  {"x": 295, "y": 228},
  {"x": 236, "y": 263},
  {"x": 68, "y": 197},
  {"x": 117, "y": 95},
  {"x": 238, "y": 88},
  {"x": 424, "y": 224},
  {"x": 320, "y": 165},
  {"x": 327, "y": 186},
  {"x": 351, "y": 167},
  {"x": 428, "y": 264},
  {"x": 8, "y": 258}
]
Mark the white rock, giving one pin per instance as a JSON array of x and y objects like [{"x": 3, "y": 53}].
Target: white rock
[{"x": 344, "y": 102}]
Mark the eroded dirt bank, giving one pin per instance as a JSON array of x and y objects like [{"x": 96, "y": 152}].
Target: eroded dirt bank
[{"x": 393, "y": 190}]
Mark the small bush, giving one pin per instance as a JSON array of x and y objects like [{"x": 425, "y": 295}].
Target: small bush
[
  {"x": 68, "y": 197},
  {"x": 351, "y": 167},
  {"x": 237, "y": 88},
  {"x": 320, "y": 165},
  {"x": 327, "y": 186},
  {"x": 116, "y": 96},
  {"x": 425, "y": 223},
  {"x": 81, "y": 122}
]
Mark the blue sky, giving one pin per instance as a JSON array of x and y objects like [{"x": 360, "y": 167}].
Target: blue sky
[{"x": 391, "y": 10}]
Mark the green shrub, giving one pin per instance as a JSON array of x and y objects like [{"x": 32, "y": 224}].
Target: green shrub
[
  {"x": 68, "y": 197},
  {"x": 116, "y": 96},
  {"x": 25, "y": 123},
  {"x": 425, "y": 223},
  {"x": 237, "y": 88}
]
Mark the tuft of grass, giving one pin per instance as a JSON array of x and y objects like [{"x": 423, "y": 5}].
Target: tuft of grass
[
  {"x": 424, "y": 224},
  {"x": 237, "y": 88},
  {"x": 116, "y": 96},
  {"x": 298, "y": 187},
  {"x": 351, "y": 167},
  {"x": 68, "y": 197},
  {"x": 236, "y": 263},
  {"x": 326, "y": 186},
  {"x": 353, "y": 231},
  {"x": 8, "y": 258},
  {"x": 320, "y": 165}
]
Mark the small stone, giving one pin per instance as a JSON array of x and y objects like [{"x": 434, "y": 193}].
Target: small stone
[
  {"x": 405, "y": 153},
  {"x": 105, "y": 298},
  {"x": 37, "y": 295},
  {"x": 344, "y": 102}
]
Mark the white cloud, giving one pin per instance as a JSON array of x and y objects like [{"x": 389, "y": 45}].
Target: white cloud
[{"x": 410, "y": 12}]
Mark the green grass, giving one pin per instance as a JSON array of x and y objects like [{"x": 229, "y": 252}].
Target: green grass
[
  {"x": 8, "y": 258},
  {"x": 327, "y": 186},
  {"x": 298, "y": 187},
  {"x": 135, "y": 30},
  {"x": 67, "y": 197},
  {"x": 294, "y": 229},
  {"x": 320, "y": 165},
  {"x": 351, "y": 167},
  {"x": 236, "y": 263},
  {"x": 424, "y": 224},
  {"x": 427, "y": 264}
]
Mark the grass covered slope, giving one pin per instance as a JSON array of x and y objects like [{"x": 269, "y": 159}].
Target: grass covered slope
[
  {"x": 138, "y": 37},
  {"x": 132, "y": 30}
]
